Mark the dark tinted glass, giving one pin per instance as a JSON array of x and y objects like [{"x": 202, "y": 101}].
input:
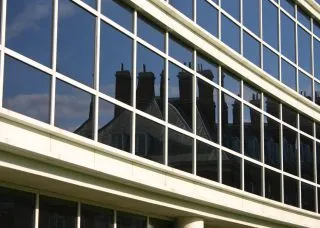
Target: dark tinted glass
[
  {"x": 252, "y": 178},
  {"x": 180, "y": 151},
  {"x": 180, "y": 51},
  {"x": 231, "y": 111},
  {"x": 230, "y": 82},
  {"x": 318, "y": 161},
  {"x": 317, "y": 130},
  {"x": 306, "y": 158},
  {"x": 57, "y": 213},
  {"x": 150, "y": 32},
  {"x": 115, "y": 69},
  {"x": 207, "y": 161},
  {"x": 114, "y": 125},
  {"x": 288, "y": 37},
  {"x": 308, "y": 197},
  {"x": 207, "y": 17},
  {"x": 251, "y": 48},
  {"x": 207, "y": 68},
  {"x": 251, "y": 95},
  {"x": 316, "y": 56},
  {"x": 159, "y": 223},
  {"x": 207, "y": 111},
  {"x": 74, "y": 109},
  {"x": 231, "y": 170},
  {"x": 92, "y": 216},
  {"x": 118, "y": 12},
  {"x": 30, "y": 22},
  {"x": 288, "y": 75},
  {"x": 76, "y": 32},
  {"x": 270, "y": 62},
  {"x": 304, "y": 49},
  {"x": 150, "y": 82},
  {"x": 272, "y": 185},
  {"x": 306, "y": 124},
  {"x": 230, "y": 33},
  {"x": 252, "y": 128},
  {"x": 180, "y": 97},
  {"x": 251, "y": 16},
  {"x": 125, "y": 220},
  {"x": 317, "y": 92},
  {"x": 271, "y": 105},
  {"x": 291, "y": 192},
  {"x": 304, "y": 18},
  {"x": 288, "y": 5},
  {"x": 305, "y": 85},
  {"x": 17, "y": 208},
  {"x": 271, "y": 142},
  {"x": 26, "y": 90},
  {"x": 270, "y": 23},
  {"x": 232, "y": 7},
  {"x": 289, "y": 115},
  {"x": 185, "y": 7},
  {"x": 316, "y": 28},
  {"x": 290, "y": 156},
  {"x": 149, "y": 139}
]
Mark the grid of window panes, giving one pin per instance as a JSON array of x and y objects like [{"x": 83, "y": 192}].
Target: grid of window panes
[
  {"x": 20, "y": 207},
  {"x": 278, "y": 36},
  {"x": 106, "y": 72}
]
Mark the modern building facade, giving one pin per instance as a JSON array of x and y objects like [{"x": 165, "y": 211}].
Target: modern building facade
[{"x": 154, "y": 113}]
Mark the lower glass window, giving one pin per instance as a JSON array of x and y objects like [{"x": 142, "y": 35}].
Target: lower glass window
[
  {"x": 92, "y": 216},
  {"x": 291, "y": 192},
  {"x": 125, "y": 220},
  {"x": 231, "y": 170}
]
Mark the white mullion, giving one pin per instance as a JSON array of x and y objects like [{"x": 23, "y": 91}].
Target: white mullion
[
  {"x": 241, "y": 28},
  {"x": 36, "y": 214},
  {"x": 194, "y": 111},
  {"x": 78, "y": 215},
  {"x": 242, "y": 136},
  {"x": 97, "y": 73},
  {"x": 219, "y": 20},
  {"x": 279, "y": 43},
  {"x": 134, "y": 81},
  {"x": 299, "y": 160},
  {"x": 281, "y": 154},
  {"x": 261, "y": 33},
  {"x": 3, "y": 42},
  {"x": 262, "y": 144},
  {"x": 220, "y": 125},
  {"x": 166, "y": 97},
  {"x": 296, "y": 49},
  {"x": 114, "y": 219},
  {"x": 315, "y": 178}
]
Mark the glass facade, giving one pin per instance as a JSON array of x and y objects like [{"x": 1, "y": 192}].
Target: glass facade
[{"x": 118, "y": 78}]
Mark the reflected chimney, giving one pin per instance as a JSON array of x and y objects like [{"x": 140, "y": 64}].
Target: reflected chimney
[
  {"x": 185, "y": 86},
  {"x": 145, "y": 89},
  {"x": 123, "y": 87}
]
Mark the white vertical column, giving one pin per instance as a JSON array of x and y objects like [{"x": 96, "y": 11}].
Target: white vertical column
[
  {"x": 166, "y": 80},
  {"x": 115, "y": 219},
  {"x": 281, "y": 155},
  {"x": 194, "y": 110},
  {"x": 242, "y": 137},
  {"x": 36, "y": 214},
  {"x": 220, "y": 124},
  {"x": 262, "y": 145},
  {"x": 134, "y": 81},
  {"x": 3, "y": 43},
  {"x": 78, "y": 215},
  {"x": 189, "y": 222}
]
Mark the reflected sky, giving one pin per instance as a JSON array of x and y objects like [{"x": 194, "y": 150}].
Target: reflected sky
[
  {"x": 251, "y": 15},
  {"x": 232, "y": 7},
  {"x": 185, "y": 6},
  {"x": 288, "y": 37},
  {"x": 180, "y": 51},
  {"x": 251, "y": 48},
  {"x": 270, "y": 23},
  {"x": 270, "y": 62},
  {"x": 288, "y": 75},
  {"x": 207, "y": 17},
  {"x": 304, "y": 49},
  {"x": 230, "y": 33}
]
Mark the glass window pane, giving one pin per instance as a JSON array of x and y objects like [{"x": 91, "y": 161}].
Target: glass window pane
[
  {"x": 291, "y": 192},
  {"x": 304, "y": 18},
  {"x": 180, "y": 151},
  {"x": 92, "y": 216},
  {"x": 230, "y": 33},
  {"x": 115, "y": 69},
  {"x": 180, "y": 51},
  {"x": 288, "y": 75},
  {"x": 270, "y": 23},
  {"x": 185, "y": 6},
  {"x": 230, "y": 82},
  {"x": 232, "y": 7},
  {"x": 288, "y": 42},
  {"x": 76, "y": 59},
  {"x": 308, "y": 197},
  {"x": 180, "y": 97},
  {"x": 304, "y": 49},
  {"x": 55, "y": 212},
  {"x": 230, "y": 122},
  {"x": 150, "y": 32},
  {"x": 207, "y": 17},
  {"x": 207, "y": 68},
  {"x": 125, "y": 220},
  {"x": 207, "y": 161},
  {"x": 306, "y": 158},
  {"x": 231, "y": 170},
  {"x": 290, "y": 156},
  {"x": 30, "y": 22},
  {"x": 251, "y": 48},
  {"x": 316, "y": 56},
  {"x": 317, "y": 130},
  {"x": 251, "y": 15},
  {"x": 271, "y": 106},
  {"x": 271, "y": 62},
  {"x": 26, "y": 90},
  {"x": 17, "y": 208},
  {"x": 316, "y": 28},
  {"x": 149, "y": 139},
  {"x": 272, "y": 185},
  {"x": 74, "y": 109},
  {"x": 305, "y": 85},
  {"x": 306, "y": 124},
  {"x": 317, "y": 92},
  {"x": 252, "y": 178},
  {"x": 92, "y": 3},
  {"x": 252, "y": 132},
  {"x": 251, "y": 95},
  {"x": 207, "y": 111},
  {"x": 288, "y": 5},
  {"x": 159, "y": 223},
  {"x": 117, "y": 11},
  {"x": 114, "y": 125},
  {"x": 271, "y": 142},
  {"x": 318, "y": 161},
  {"x": 150, "y": 82},
  {"x": 289, "y": 115}
]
